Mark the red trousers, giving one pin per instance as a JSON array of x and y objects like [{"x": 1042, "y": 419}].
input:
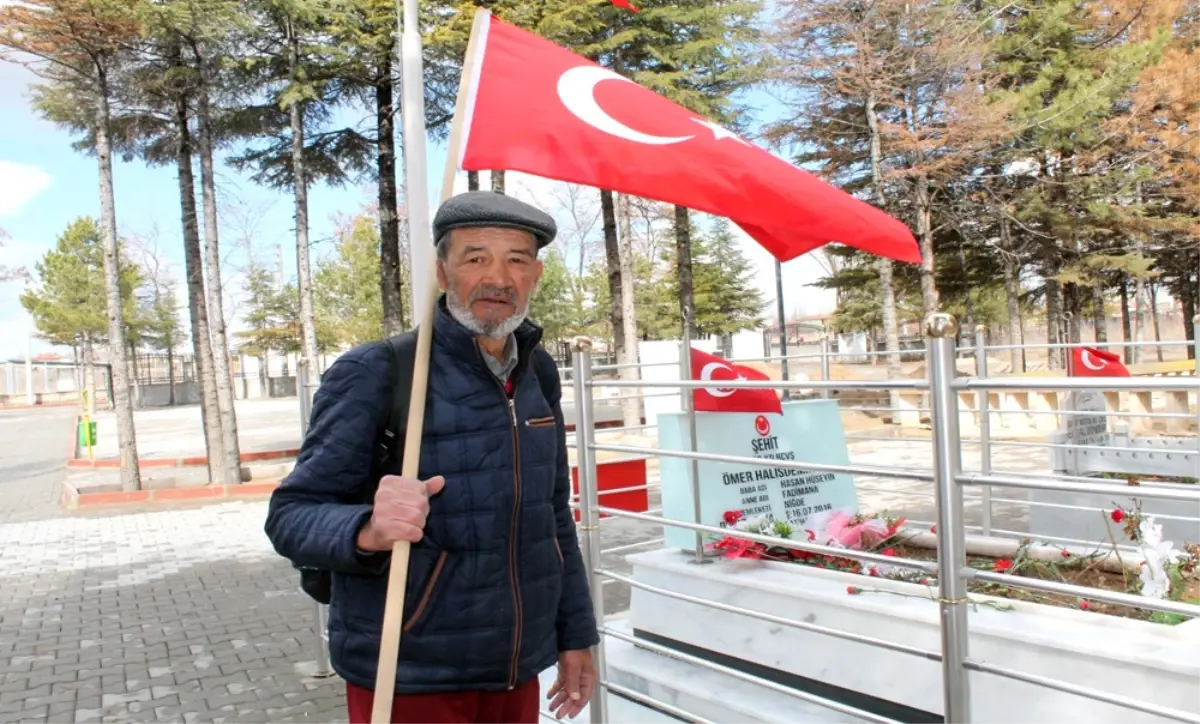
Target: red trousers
[{"x": 518, "y": 706}]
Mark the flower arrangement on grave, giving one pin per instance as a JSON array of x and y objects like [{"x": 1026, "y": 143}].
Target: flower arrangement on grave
[{"x": 1162, "y": 571}]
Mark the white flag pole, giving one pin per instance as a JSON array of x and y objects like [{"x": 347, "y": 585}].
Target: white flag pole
[
  {"x": 416, "y": 189},
  {"x": 424, "y": 298}
]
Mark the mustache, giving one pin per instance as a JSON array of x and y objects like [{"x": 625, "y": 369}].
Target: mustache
[{"x": 487, "y": 293}]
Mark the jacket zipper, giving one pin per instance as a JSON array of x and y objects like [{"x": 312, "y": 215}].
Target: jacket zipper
[
  {"x": 512, "y": 542},
  {"x": 512, "y": 532}
]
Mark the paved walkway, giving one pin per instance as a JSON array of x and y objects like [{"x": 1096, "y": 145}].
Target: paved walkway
[{"x": 33, "y": 449}]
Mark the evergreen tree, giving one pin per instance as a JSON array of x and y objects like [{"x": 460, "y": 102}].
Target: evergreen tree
[
  {"x": 557, "y": 305},
  {"x": 349, "y": 309},
  {"x": 727, "y": 298}
]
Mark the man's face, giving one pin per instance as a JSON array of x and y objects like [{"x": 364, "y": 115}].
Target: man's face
[{"x": 490, "y": 275}]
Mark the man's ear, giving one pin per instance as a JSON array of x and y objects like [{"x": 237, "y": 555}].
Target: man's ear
[
  {"x": 537, "y": 270},
  {"x": 443, "y": 282}
]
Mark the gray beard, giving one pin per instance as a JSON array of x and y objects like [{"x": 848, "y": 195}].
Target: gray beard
[{"x": 462, "y": 315}]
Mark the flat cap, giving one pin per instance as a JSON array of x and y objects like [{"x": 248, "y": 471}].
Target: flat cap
[{"x": 489, "y": 208}]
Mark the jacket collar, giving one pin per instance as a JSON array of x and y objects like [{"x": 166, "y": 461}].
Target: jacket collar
[{"x": 461, "y": 341}]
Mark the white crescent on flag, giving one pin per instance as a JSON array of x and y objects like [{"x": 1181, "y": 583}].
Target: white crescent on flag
[
  {"x": 1086, "y": 358},
  {"x": 706, "y": 376}
]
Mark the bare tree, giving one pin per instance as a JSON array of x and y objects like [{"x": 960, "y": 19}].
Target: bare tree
[
  {"x": 581, "y": 209},
  {"x": 8, "y": 274}
]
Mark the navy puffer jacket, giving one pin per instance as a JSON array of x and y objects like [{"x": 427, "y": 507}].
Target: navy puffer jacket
[{"x": 497, "y": 587}]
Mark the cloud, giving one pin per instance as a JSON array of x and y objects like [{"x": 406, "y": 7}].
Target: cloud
[{"x": 19, "y": 184}]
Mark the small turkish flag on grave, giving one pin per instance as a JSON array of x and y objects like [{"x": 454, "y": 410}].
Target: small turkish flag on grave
[
  {"x": 1092, "y": 362},
  {"x": 712, "y": 368}
]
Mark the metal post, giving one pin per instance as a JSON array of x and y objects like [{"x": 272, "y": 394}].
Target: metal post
[
  {"x": 941, "y": 331},
  {"x": 589, "y": 501},
  {"x": 783, "y": 351},
  {"x": 689, "y": 409},
  {"x": 983, "y": 404},
  {"x": 324, "y": 669},
  {"x": 321, "y": 617},
  {"x": 30, "y": 396},
  {"x": 302, "y": 393},
  {"x": 826, "y": 371}
]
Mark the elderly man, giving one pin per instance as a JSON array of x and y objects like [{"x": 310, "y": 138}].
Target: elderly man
[{"x": 497, "y": 590}]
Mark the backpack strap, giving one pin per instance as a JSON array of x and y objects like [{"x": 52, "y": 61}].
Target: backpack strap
[
  {"x": 402, "y": 350},
  {"x": 546, "y": 370}
]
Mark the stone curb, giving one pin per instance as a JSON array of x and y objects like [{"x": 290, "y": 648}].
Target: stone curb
[{"x": 72, "y": 499}]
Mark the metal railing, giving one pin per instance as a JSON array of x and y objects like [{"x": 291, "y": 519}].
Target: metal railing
[{"x": 952, "y": 487}]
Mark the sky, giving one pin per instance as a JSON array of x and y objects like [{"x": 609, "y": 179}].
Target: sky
[{"x": 45, "y": 184}]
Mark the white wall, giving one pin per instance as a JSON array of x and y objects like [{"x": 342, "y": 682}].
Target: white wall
[{"x": 660, "y": 362}]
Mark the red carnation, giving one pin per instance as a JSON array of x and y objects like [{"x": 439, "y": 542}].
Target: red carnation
[
  {"x": 1117, "y": 515},
  {"x": 889, "y": 551},
  {"x": 933, "y": 528},
  {"x": 1083, "y": 605},
  {"x": 1066, "y": 554},
  {"x": 732, "y": 516},
  {"x": 853, "y": 590},
  {"x": 1002, "y": 566}
]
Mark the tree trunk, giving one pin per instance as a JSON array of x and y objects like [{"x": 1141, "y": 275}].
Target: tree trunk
[
  {"x": 390, "y": 287},
  {"x": 929, "y": 293},
  {"x": 131, "y": 478},
  {"x": 1188, "y": 302},
  {"x": 231, "y": 461},
  {"x": 1126, "y": 333},
  {"x": 197, "y": 305},
  {"x": 1099, "y": 320},
  {"x": 1012, "y": 295},
  {"x": 891, "y": 323},
  {"x": 612, "y": 257},
  {"x": 1054, "y": 319},
  {"x": 472, "y": 180},
  {"x": 631, "y": 406},
  {"x": 683, "y": 266},
  {"x": 1073, "y": 302},
  {"x": 1152, "y": 293},
  {"x": 308, "y": 323},
  {"x": 1139, "y": 312},
  {"x": 498, "y": 181}
]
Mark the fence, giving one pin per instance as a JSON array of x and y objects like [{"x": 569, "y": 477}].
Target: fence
[
  {"x": 43, "y": 382},
  {"x": 951, "y": 482}
]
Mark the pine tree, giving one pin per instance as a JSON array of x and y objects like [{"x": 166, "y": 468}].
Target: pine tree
[
  {"x": 69, "y": 280},
  {"x": 557, "y": 303},
  {"x": 727, "y": 298},
  {"x": 346, "y": 293}
]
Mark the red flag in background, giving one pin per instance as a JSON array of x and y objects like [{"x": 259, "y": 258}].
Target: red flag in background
[
  {"x": 707, "y": 367},
  {"x": 540, "y": 109},
  {"x": 1092, "y": 362},
  {"x": 625, "y": 4}
]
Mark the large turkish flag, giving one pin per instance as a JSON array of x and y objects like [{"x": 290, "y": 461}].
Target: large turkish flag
[{"x": 540, "y": 109}]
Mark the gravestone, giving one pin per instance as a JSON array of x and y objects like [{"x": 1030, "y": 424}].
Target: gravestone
[{"x": 807, "y": 431}]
